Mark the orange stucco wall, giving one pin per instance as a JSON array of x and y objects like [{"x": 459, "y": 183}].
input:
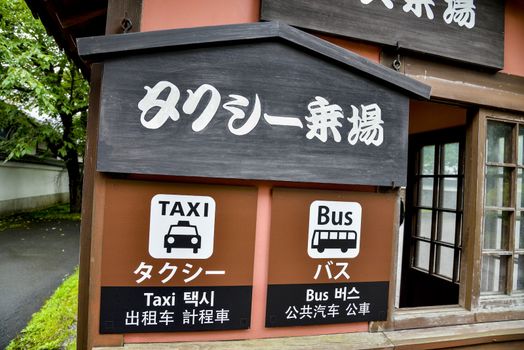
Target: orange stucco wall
[
  {"x": 371, "y": 52},
  {"x": 160, "y": 15},
  {"x": 514, "y": 38}
]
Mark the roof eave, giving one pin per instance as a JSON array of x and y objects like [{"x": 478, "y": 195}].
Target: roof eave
[{"x": 104, "y": 47}]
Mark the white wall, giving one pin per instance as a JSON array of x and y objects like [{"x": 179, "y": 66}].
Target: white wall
[{"x": 26, "y": 186}]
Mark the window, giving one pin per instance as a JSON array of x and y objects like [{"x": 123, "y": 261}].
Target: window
[
  {"x": 485, "y": 281},
  {"x": 435, "y": 246},
  {"x": 433, "y": 235},
  {"x": 503, "y": 231}
]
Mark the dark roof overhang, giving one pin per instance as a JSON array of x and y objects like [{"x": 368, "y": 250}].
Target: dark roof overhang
[
  {"x": 105, "y": 47},
  {"x": 67, "y": 20}
]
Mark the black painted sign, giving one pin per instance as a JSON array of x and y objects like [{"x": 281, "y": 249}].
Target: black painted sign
[
  {"x": 167, "y": 309},
  {"x": 309, "y": 304},
  {"x": 471, "y": 31},
  {"x": 298, "y": 109}
]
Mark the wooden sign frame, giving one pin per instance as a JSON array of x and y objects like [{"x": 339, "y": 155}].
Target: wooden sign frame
[
  {"x": 472, "y": 36},
  {"x": 259, "y": 101}
]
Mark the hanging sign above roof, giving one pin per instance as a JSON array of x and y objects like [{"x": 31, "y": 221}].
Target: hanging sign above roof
[
  {"x": 286, "y": 106},
  {"x": 469, "y": 31}
]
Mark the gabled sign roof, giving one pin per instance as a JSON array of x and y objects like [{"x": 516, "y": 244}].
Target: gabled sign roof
[
  {"x": 259, "y": 101},
  {"x": 103, "y": 47}
]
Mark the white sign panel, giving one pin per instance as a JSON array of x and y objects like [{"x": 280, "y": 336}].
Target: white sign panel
[
  {"x": 181, "y": 227},
  {"x": 334, "y": 229}
]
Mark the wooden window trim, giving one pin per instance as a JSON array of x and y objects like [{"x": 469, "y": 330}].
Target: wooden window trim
[
  {"x": 473, "y": 308},
  {"x": 439, "y": 139},
  {"x": 513, "y": 298}
]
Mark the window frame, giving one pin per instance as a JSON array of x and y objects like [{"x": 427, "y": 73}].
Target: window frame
[
  {"x": 508, "y": 296},
  {"x": 472, "y": 308},
  {"x": 438, "y": 139}
]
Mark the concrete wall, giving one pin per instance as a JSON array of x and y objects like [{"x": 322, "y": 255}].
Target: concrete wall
[{"x": 27, "y": 186}]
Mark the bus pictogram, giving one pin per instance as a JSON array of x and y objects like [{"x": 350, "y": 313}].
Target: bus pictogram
[
  {"x": 334, "y": 230},
  {"x": 334, "y": 239}
]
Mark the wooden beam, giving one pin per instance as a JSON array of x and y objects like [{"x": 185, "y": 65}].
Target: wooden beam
[
  {"x": 100, "y": 48},
  {"x": 463, "y": 85},
  {"x": 119, "y": 10},
  {"x": 73, "y": 21}
]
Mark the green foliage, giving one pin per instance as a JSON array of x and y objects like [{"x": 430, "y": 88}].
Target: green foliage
[
  {"x": 36, "y": 77},
  {"x": 54, "y": 326},
  {"x": 21, "y": 132},
  {"x": 57, "y": 212}
]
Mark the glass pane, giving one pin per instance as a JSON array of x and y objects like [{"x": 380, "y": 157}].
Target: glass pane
[
  {"x": 519, "y": 231},
  {"x": 427, "y": 160},
  {"x": 493, "y": 273},
  {"x": 451, "y": 159},
  {"x": 449, "y": 193},
  {"x": 424, "y": 223},
  {"x": 496, "y": 229},
  {"x": 521, "y": 145},
  {"x": 499, "y": 141},
  {"x": 447, "y": 223},
  {"x": 520, "y": 193},
  {"x": 498, "y": 187},
  {"x": 518, "y": 273},
  {"x": 445, "y": 261},
  {"x": 426, "y": 192},
  {"x": 422, "y": 255}
]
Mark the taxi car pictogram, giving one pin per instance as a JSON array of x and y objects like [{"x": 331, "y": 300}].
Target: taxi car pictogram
[{"x": 182, "y": 235}]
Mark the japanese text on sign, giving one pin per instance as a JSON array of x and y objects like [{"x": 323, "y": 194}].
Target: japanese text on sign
[
  {"x": 461, "y": 12},
  {"x": 144, "y": 271},
  {"x": 324, "y": 118}
]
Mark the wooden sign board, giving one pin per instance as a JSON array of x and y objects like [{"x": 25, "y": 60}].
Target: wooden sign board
[
  {"x": 467, "y": 31},
  {"x": 176, "y": 257},
  {"x": 330, "y": 257},
  {"x": 286, "y": 107}
]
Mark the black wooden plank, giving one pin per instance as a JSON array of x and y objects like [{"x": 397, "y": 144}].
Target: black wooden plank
[
  {"x": 99, "y": 48},
  {"x": 481, "y": 45},
  {"x": 360, "y": 63},
  {"x": 286, "y": 80}
]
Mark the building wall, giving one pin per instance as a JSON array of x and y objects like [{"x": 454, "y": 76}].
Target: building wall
[
  {"x": 514, "y": 37},
  {"x": 161, "y": 15},
  {"x": 26, "y": 186}
]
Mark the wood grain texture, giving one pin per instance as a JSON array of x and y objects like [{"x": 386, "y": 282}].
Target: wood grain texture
[
  {"x": 467, "y": 85},
  {"x": 110, "y": 46},
  {"x": 505, "y": 335},
  {"x": 118, "y": 10},
  {"x": 481, "y": 45},
  {"x": 347, "y": 341},
  {"x": 286, "y": 80},
  {"x": 87, "y": 207}
]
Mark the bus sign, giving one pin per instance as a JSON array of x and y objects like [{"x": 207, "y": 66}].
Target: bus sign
[{"x": 334, "y": 229}]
